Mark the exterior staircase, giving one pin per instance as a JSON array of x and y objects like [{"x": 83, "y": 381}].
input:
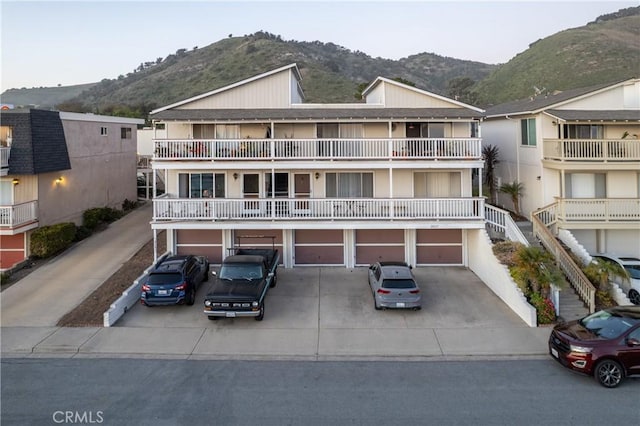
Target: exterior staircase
[{"x": 571, "y": 307}]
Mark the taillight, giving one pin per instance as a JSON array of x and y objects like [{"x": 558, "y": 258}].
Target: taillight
[
  {"x": 181, "y": 286},
  {"x": 383, "y": 291},
  {"x": 416, "y": 291},
  {"x": 145, "y": 287}
]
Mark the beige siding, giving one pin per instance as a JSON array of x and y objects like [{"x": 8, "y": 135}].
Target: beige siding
[
  {"x": 376, "y": 130},
  {"x": 26, "y": 190},
  {"x": 615, "y": 98},
  {"x": 269, "y": 92},
  {"x": 398, "y": 97}
]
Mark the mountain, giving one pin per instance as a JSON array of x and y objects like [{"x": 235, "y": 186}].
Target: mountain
[
  {"x": 606, "y": 50},
  {"x": 43, "y": 97}
]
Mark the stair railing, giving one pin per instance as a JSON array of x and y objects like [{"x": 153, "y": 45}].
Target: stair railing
[
  {"x": 543, "y": 220},
  {"x": 500, "y": 221}
]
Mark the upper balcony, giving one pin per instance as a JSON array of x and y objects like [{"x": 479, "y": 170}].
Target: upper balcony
[
  {"x": 18, "y": 216},
  {"x": 592, "y": 150},
  {"x": 4, "y": 160},
  {"x": 318, "y": 149},
  {"x": 169, "y": 208}
]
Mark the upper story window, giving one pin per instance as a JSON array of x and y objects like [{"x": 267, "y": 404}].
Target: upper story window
[
  {"x": 474, "y": 129},
  {"x": 201, "y": 185},
  {"x": 227, "y": 131},
  {"x": 584, "y": 131},
  {"x": 339, "y": 130},
  {"x": 6, "y": 136},
  {"x": 159, "y": 126},
  {"x": 204, "y": 131},
  {"x": 103, "y": 131},
  {"x": 349, "y": 185},
  {"x": 528, "y": 131},
  {"x": 125, "y": 133}
]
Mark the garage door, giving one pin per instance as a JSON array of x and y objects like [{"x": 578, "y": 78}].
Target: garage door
[
  {"x": 373, "y": 245},
  {"x": 439, "y": 246},
  {"x": 319, "y": 247},
  {"x": 201, "y": 243},
  {"x": 12, "y": 250},
  {"x": 259, "y": 238}
]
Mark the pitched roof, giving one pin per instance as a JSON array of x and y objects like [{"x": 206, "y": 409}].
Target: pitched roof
[
  {"x": 420, "y": 91},
  {"x": 288, "y": 114},
  {"x": 293, "y": 67},
  {"x": 540, "y": 103}
]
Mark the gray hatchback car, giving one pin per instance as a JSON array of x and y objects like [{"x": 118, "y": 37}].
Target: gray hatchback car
[{"x": 394, "y": 286}]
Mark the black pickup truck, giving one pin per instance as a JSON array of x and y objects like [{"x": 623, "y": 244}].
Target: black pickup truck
[{"x": 242, "y": 284}]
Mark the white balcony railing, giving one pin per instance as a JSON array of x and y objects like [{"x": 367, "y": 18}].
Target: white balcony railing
[
  {"x": 592, "y": 149},
  {"x": 12, "y": 216},
  {"x": 500, "y": 220},
  {"x": 4, "y": 157},
  {"x": 598, "y": 210},
  {"x": 318, "y": 149},
  {"x": 167, "y": 208}
]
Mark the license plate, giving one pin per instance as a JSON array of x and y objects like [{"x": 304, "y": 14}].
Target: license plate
[
  {"x": 554, "y": 352},
  {"x": 163, "y": 292},
  {"x": 400, "y": 305},
  {"x": 231, "y": 314}
]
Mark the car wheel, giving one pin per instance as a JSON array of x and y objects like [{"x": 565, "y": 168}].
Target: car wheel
[
  {"x": 212, "y": 318},
  {"x": 191, "y": 296},
  {"x": 260, "y": 316},
  {"x": 634, "y": 296},
  {"x": 206, "y": 274},
  {"x": 609, "y": 373}
]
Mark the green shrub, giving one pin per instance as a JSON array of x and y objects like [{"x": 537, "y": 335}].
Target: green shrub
[
  {"x": 92, "y": 218},
  {"x": 129, "y": 205},
  {"x": 82, "y": 232},
  {"x": 49, "y": 240}
]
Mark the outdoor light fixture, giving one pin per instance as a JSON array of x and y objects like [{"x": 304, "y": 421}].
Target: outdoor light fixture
[
  {"x": 317, "y": 175},
  {"x": 15, "y": 181},
  {"x": 59, "y": 180},
  {"x": 235, "y": 176}
]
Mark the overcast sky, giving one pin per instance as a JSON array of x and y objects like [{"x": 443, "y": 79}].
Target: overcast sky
[{"x": 47, "y": 43}]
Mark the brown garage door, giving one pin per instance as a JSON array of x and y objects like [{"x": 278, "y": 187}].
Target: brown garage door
[
  {"x": 439, "y": 246},
  {"x": 259, "y": 238},
  {"x": 200, "y": 242},
  {"x": 319, "y": 247},
  {"x": 373, "y": 245}
]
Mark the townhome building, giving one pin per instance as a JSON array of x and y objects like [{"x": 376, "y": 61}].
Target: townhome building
[
  {"x": 54, "y": 166},
  {"x": 389, "y": 178},
  {"x": 577, "y": 154}
]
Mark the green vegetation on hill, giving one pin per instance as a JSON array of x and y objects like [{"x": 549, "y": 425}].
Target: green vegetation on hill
[{"x": 43, "y": 97}]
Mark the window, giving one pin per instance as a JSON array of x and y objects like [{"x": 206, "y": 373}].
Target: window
[
  {"x": 586, "y": 185},
  {"x": 204, "y": 131},
  {"x": 250, "y": 185},
  {"x": 349, "y": 185},
  {"x": 474, "y": 129},
  {"x": 159, "y": 126},
  {"x": 201, "y": 185},
  {"x": 125, "y": 133},
  {"x": 6, "y": 136},
  {"x": 437, "y": 184},
  {"x": 103, "y": 131},
  {"x": 528, "y": 129},
  {"x": 227, "y": 131},
  {"x": 584, "y": 131}
]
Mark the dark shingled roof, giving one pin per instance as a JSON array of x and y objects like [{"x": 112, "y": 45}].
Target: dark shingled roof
[
  {"x": 542, "y": 102},
  {"x": 39, "y": 144},
  {"x": 292, "y": 114},
  {"x": 603, "y": 115}
]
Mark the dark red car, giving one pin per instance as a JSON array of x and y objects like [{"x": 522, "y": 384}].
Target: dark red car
[{"x": 605, "y": 344}]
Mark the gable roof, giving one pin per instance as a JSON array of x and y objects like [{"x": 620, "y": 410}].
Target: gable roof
[
  {"x": 293, "y": 67},
  {"x": 420, "y": 91},
  {"x": 541, "y": 103}
]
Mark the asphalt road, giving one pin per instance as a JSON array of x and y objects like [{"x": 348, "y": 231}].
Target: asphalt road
[{"x": 174, "y": 392}]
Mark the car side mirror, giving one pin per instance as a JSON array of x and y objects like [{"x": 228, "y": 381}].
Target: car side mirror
[
  {"x": 633, "y": 342},
  {"x": 270, "y": 274}
]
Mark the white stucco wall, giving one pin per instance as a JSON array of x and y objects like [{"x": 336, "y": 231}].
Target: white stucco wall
[{"x": 496, "y": 276}]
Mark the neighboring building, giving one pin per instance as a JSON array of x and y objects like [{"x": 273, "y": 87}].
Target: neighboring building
[
  {"x": 578, "y": 154},
  {"x": 54, "y": 166},
  {"x": 334, "y": 184}
]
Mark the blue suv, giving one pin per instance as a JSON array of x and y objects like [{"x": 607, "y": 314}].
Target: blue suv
[{"x": 175, "y": 280}]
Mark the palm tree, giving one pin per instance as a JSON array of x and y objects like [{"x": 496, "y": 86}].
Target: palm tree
[
  {"x": 535, "y": 269},
  {"x": 515, "y": 190},
  {"x": 490, "y": 155},
  {"x": 599, "y": 272}
]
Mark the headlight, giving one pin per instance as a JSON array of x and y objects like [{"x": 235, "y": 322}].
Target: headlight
[
  {"x": 207, "y": 303},
  {"x": 581, "y": 349},
  {"x": 254, "y": 304}
]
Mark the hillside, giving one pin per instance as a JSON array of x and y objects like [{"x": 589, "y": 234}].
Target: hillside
[
  {"x": 602, "y": 51},
  {"x": 43, "y": 97}
]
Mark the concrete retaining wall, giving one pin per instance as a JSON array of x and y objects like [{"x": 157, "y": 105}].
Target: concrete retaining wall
[
  {"x": 496, "y": 276},
  {"x": 129, "y": 298}
]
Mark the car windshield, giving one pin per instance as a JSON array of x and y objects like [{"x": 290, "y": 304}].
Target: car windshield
[
  {"x": 240, "y": 271},
  {"x": 633, "y": 270},
  {"x": 607, "y": 325},
  {"x": 398, "y": 284},
  {"x": 169, "y": 278}
]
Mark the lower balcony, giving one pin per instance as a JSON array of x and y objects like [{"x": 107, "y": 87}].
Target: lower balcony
[
  {"x": 167, "y": 208},
  {"x": 599, "y": 212},
  {"x": 18, "y": 215}
]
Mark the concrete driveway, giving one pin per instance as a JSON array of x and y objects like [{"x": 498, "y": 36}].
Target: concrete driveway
[{"x": 339, "y": 298}]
